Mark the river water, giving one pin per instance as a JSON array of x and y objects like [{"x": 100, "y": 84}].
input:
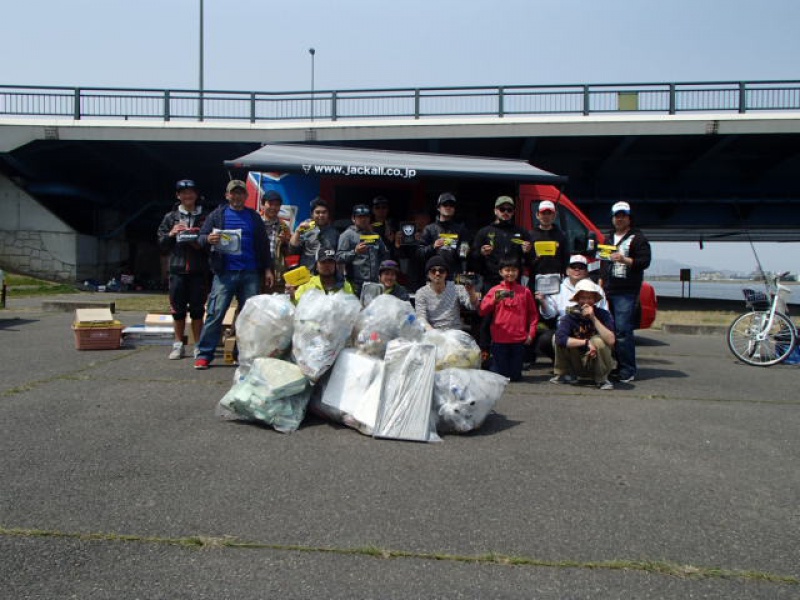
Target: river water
[{"x": 718, "y": 290}]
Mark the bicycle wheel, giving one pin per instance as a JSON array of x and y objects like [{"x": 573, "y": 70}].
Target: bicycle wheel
[{"x": 750, "y": 344}]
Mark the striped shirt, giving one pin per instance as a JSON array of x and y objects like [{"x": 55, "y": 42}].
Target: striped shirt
[{"x": 442, "y": 311}]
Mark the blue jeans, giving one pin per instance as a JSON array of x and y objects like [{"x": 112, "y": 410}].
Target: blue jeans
[
  {"x": 623, "y": 310},
  {"x": 507, "y": 360},
  {"x": 242, "y": 285}
]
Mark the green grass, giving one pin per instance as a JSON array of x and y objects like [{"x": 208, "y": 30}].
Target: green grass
[{"x": 22, "y": 285}]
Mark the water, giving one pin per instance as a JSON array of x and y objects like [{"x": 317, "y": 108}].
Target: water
[{"x": 717, "y": 290}]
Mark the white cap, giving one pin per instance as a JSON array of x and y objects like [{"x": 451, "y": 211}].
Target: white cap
[
  {"x": 621, "y": 207},
  {"x": 546, "y": 205},
  {"x": 578, "y": 258},
  {"x": 586, "y": 285}
]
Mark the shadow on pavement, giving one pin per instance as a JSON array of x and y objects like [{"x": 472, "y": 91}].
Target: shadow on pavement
[{"x": 14, "y": 322}]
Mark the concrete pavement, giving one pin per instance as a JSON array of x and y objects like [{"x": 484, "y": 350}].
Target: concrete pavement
[{"x": 119, "y": 482}]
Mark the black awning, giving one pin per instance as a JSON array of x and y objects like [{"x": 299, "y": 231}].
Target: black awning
[{"x": 358, "y": 162}]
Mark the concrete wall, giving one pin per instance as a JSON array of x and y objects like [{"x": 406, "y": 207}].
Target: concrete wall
[{"x": 35, "y": 242}]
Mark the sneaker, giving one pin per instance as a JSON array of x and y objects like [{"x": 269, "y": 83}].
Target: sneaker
[
  {"x": 559, "y": 379},
  {"x": 605, "y": 385},
  {"x": 201, "y": 364},
  {"x": 627, "y": 379},
  {"x": 177, "y": 351}
]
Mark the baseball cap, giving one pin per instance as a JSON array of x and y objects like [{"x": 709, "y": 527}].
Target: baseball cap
[
  {"x": 271, "y": 196},
  {"x": 235, "y": 183},
  {"x": 361, "y": 210},
  {"x": 546, "y": 205},
  {"x": 185, "y": 184},
  {"x": 326, "y": 254},
  {"x": 446, "y": 197},
  {"x": 578, "y": 258},
  {"x": 389, "y": 265},
  {"x": 380, "y": 200},
  {"x": 503, "y": 200},
  {"x": 621, "y": 207}
]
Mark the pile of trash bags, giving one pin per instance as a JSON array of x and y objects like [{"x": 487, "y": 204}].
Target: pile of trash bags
[{"x": 374, "y": 369}]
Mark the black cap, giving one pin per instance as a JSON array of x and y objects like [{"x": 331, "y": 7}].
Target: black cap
[
  {"x": 360, "y": 210},
  {"x": 445, "y": 197},
  {"x": 185, "y": 184},
  {"x": 271, "y": 196},
  {"x": 378, "y": 200},
  {"x": 326, "y": 254}
]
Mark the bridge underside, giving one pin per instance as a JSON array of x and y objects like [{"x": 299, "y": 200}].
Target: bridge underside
[{"x": 683, "y": 187}]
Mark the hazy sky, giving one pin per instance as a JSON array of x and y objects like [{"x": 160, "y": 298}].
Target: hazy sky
[{"x": 263, "y": 45}]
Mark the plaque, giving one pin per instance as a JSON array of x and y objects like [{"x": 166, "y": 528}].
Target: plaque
[{"x": 408, "y": 231}]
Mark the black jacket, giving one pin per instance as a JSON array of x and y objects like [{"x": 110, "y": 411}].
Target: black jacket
[
  {"x": 622, "y": 279},
  {"x": 450, "y": 254},
  {"x": 500, "y": 235},
  {"x": 542, "y": 265},
  {"x": 184, "y": 257}
]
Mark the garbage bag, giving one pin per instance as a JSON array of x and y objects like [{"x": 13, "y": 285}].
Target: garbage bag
[
  {"x": 273, "y": 391},
  {"x": 264, "y": 327},
  {"x": 384, "y": 319},
  {"x": 454, "y": 349},
  {"x": 462, "y": 398},
  {"x": 322, "y": 326},
  {"x": 405, "y": 411}
]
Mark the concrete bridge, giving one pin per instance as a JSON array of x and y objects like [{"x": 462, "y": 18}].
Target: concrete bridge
[{"x": 86, "y": 174}]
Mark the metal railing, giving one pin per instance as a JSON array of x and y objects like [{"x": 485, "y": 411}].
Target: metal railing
[{"x": 398, "y": 103}]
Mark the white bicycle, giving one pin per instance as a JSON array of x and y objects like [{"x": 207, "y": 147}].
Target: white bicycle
[{"x": 765, "y": 335}]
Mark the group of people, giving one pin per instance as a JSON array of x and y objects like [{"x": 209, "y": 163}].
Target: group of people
[{"x": 585, "y": 327}]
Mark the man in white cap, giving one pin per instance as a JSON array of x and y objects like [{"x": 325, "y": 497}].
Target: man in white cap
[
  {"x": 621, "y": 276},
  {"x": 584, "y": 339},
  {"x": 550, "y": 249}
]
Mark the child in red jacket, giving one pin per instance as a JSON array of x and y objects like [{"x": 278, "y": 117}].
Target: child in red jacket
[{"x": 514, "y": 321}]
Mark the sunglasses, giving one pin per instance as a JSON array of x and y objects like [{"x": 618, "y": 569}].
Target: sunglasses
[
  {"x": 448, "y": 204},
  {"x": 506, "y": 209},
  {"x": 578, "y": 266},
  {"x": 436, "y": 270}
]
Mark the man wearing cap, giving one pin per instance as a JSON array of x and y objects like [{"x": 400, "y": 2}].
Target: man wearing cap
[
  {"x": 328, "y": 279},
  {"x": 621, "y": 276},
  {"x": 277, "y": 232},
  {"x": 381, "y": 222},
  {"x": 387, "y": 275},
  {"x": 438, "y": 304},
  {"x": 550, "y": 248},
  {"x": 240, "y": 260},
  {"x": 188, "y": 263},
  {"x": 501, "y": 240},
  {"x": 361, "y": 249},
  {"x": 445, "y": 237},
  {"x": 313, "y": 234},
  {"x": 584, "y": 339}
]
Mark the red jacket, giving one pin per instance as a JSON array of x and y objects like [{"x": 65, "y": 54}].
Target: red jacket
[{"x": 514, "y": 318}]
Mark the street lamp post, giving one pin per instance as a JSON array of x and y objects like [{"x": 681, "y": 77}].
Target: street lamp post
[
  {"x": 201, "y": 62},
  {"x": 312, "y": 52}
]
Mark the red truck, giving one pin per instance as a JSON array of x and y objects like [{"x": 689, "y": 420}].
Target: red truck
[{"x": 349, "y": 176}]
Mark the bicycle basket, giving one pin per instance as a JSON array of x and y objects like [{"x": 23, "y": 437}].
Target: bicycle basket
[{"x": 755, "y": 299}]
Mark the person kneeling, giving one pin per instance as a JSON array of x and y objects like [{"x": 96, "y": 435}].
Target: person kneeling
[{"x": 585, "y": 339}]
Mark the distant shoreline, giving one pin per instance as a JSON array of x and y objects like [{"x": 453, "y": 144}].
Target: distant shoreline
[{"x": 726, "y": 281}]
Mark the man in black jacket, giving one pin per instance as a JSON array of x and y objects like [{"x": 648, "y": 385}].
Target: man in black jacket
[
  {"x": 621, "y": 276},
  {"x": 188, "y": 263},
  {"x": 240, "y": 260},
  {"x": 502, "y": 239},
  {"x": 445, "y": 237}
]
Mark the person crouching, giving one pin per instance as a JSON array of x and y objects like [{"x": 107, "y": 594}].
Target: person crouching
[
  {"x": 585, "y": 339},
  {"x": 514, "y": 320}
]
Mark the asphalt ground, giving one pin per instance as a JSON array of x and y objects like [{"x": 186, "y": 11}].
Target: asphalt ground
[{"x": 118, "y": 481}]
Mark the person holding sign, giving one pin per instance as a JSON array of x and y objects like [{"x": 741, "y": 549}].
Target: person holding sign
[
  {"x": 550, "y": 251},
  {"x": 446, "y": 238},
  {"x": 361, "y": 250}
]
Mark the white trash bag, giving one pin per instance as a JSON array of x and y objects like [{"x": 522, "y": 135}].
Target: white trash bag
[
  {"x": 463, "y": 398},
  {"x": 264, "y": 327},
  {"x": 385, "y": 318},
  {"x": 454, "y": 349}
]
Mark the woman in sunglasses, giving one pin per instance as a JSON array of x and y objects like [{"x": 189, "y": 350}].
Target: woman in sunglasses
[{"x": 438, "y": 304}]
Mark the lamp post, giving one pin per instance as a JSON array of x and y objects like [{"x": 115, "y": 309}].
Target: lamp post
[
  {"x": 312, "y": 52},
  {"x": 201, "y": 62}
]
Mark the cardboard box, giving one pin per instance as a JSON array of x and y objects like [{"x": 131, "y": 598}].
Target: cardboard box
[
  {"x": 229, "y": 350},
  {"x": 96, "y": 329},
  {"x": 156, "y": 320}
]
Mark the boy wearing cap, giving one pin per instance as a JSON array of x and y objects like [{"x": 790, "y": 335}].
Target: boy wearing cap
[
  {"x": 514, "y": 320},
  {"x": 361, "y": 249},
  {"x": 277, "y": 232},
  {"x": 387, "y": 274},
  {"x": 188, "y": 263},
  {"x": 314, "y": 234},
  {"x": 328, "y": 279},
  {"x": 445, "y": 237},
  {"x": 621, "y": 276},
  {"x": 239, "y": 273},
  {"x": 584, "y": 339}
]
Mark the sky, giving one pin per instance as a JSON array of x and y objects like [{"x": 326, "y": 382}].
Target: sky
[{"x": 263, "y": 45}]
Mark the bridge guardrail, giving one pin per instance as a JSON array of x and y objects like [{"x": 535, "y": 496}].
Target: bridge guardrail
[{"x": 417, "y": 103}]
